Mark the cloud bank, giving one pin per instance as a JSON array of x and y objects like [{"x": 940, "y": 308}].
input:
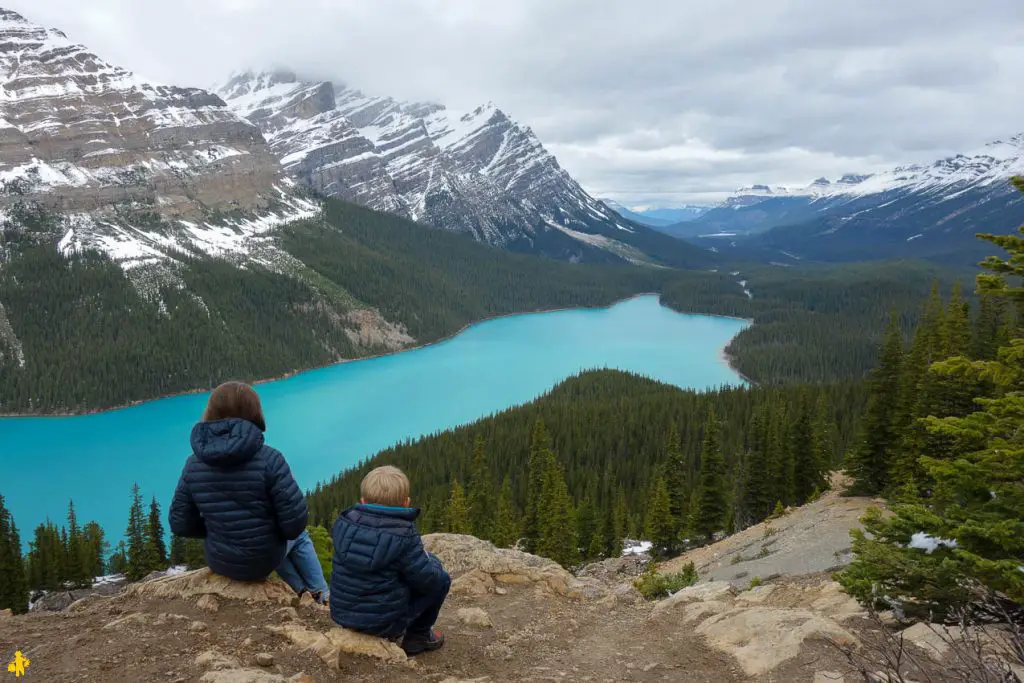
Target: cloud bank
[{"x": 646, "y": 101}]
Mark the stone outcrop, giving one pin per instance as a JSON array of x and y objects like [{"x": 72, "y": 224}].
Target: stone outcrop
[
  {"x": 203, "y": 582},
  {"x": 477, "y": 567},
  {"x": 765, "y": 626},
  {"x": 331, "y": 645}
]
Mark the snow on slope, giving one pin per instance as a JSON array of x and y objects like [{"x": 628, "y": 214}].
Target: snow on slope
[
  {"x": 478, "y": 172},
  {"x": 993, "y": 163},
  {"x": 140, "y": 172}
]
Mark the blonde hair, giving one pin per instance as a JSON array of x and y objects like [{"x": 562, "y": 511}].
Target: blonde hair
[{"x": 385, "y": 485}]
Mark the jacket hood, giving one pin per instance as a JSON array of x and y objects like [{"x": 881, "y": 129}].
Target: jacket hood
[
  {"x": 392, "y": 526},
  {"x": 226, "y": 443}
]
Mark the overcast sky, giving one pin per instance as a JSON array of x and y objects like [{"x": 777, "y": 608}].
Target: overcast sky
[{"x": 644, "y": 101}]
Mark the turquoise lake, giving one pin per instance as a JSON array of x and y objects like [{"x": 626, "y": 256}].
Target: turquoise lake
[{"x": 326, "y": 420}]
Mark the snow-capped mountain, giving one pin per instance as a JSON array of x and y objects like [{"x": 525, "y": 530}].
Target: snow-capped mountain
[
  {"x": 930, "y": 211},
  {"x": 132, "y": 169},
  {"x": 478, "y": 172}
]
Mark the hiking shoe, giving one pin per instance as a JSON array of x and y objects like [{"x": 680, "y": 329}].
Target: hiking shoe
[
  {"x": 322, "y": 598},
  {"x": 417, "y": 643}
]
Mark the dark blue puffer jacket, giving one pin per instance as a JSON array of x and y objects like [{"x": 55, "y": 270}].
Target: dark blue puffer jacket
[
  {"x": 379, "y": 565},
  {"x": 238, "y": 494}
]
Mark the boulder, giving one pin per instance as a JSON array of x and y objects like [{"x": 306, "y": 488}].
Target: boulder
[
  {"x": 474, "y": 616},
  {"x": 931, "y": 638},
  {"x": 212, "y": 660},
  {"x": 474, "y": 582},
  {"x": 756, "y": 596},
  {"x": 197, "y": 627},
  {"x": 614, "y": 569},
  {"x": 265, "y": 659},
  {"x": 716, "y": 590},
  {"x": 834, "y": 602},
  {"x": 208, "y": 603},
  {"x": 329, "y": 646},
  {"x": 202, "y": 582},
  {"x": 463, "y": 554},
  {"x": 762, "y": 638}
]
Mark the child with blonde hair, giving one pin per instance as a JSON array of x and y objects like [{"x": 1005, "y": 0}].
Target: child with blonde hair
[{"x": 384, "y": 582}]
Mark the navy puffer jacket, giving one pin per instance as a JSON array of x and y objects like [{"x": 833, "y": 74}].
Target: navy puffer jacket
[
  {"x": 238, "y": 494},
  {"x": 379, "y": 566}
]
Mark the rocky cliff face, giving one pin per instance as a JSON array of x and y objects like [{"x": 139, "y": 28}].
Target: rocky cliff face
[
  {"x": 135, "y": 170},
  {"x": 477, "y": 172}
]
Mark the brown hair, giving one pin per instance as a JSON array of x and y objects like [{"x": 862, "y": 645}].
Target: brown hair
[
  {"x": 235, "y": 399},
  {"x": 385, "y": 485}
]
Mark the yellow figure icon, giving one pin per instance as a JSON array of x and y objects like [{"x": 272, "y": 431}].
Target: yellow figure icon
[{"x": 18, "y": 665}]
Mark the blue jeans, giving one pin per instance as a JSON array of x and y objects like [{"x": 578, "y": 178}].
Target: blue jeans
[{"x": 301, "y": 568}]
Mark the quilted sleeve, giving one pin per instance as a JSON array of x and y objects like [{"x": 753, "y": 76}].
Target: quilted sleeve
[
  {"x": 184, "y": 514},
  {"x": 287, "y": 498},
  {"x": 421, "y": 570}
]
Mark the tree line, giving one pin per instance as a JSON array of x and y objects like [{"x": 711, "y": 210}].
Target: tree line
[
  {"x": 73, "y": 555},
  {"x": 209, "y": 321}
]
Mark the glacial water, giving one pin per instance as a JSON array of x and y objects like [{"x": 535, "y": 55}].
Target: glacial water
[{"x": 328, "y": 419}]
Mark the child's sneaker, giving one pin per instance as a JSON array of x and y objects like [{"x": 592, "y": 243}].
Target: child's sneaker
[
  {"x": 417, "y": 643},
  {"x": 322, "y": 598}
]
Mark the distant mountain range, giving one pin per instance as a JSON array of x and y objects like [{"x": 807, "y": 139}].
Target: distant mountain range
[
  {"x": 658, "y": 218},
  {"x": 478, "y": 172},
  {"x": 924, "y": 211}
]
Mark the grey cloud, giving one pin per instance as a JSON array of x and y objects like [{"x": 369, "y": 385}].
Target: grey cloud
[{"x": 643, "y": 100}]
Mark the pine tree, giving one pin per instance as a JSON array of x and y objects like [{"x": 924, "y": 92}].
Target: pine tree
[
  {"x": 78, "y": 567},
  {"x": 195, "y": 553},
  {"x": 13, "y": 582},
  {"x": 711, "y": 501},
  {"x": 676, "y": 477},
  {"x": 457, "y": 512},
  {"x": 808, "y": 468},
  {"x": 118, "y": 562},
  {"x": 177, "y": 552},
  {"x": 617, "y": 530},
  {"x": 758, "y": 494},
  {"x": 539, "y": 462},
  {"x": 481, "y": 493},
  {"x": 557, "y": 538},
  {"x": 659, "y": 526},
  {"x": 156, "y": 551},
  {"x": 587, "y": 524},
  {"x": 869, "y": 462},
  {"x": 96, "y": 549},
  {"x": 138, "y": 541},
  {"x": 989, "y": 330},
  {"x": 45, "y": 558},
  {"x": 506, "y": 523}
]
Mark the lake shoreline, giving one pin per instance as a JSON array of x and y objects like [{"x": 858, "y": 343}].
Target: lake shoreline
[{"x": 727, "y": 358}]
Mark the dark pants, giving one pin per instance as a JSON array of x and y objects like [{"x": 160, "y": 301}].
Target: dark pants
[{"x": 420, "y": 617}]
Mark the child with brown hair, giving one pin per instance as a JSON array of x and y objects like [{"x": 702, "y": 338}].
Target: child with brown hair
[{"x": 238, "y": 494}]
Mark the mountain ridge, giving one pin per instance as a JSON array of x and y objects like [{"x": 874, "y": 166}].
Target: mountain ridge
[
  {"x": 927, "y": 211},
  {"x": 479, "y": 172}
]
